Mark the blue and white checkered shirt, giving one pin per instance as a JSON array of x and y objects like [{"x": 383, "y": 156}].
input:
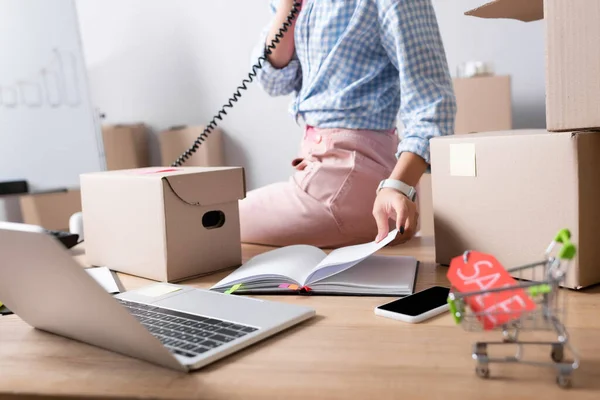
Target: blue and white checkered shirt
[{"x": 359, "y": 62}]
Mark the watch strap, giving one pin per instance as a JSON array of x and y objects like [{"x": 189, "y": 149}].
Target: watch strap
[{"x": 400, "y": 186}]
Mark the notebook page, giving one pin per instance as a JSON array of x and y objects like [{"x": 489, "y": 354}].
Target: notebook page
[
  {"x": 376, "y": 273},
  {"x": 293, "y": 262},
  {"x": 341, "y": 259}
]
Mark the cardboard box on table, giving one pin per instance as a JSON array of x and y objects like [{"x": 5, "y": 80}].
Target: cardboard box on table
[
  {"x": 175, "y": 141},
  {"x": 165, "y": 224},
  {"x": 50, "y": 210},
  {"x": 572, "y": 74},
  {"x": 508, "y": 193},
  {"x": 126, "y": 146}
]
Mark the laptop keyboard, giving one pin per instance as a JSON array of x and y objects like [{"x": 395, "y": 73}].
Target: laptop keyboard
[{"x": 185, "y": 334}]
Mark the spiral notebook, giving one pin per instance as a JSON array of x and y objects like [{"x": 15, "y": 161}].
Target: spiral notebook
[{"x": 352, "y": 270}]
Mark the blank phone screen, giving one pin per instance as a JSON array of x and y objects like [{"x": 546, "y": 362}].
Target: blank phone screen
[{"x": 419, "y": 303}]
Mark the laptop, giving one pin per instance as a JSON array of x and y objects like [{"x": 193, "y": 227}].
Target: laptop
[{"x": 174, "y": 326}]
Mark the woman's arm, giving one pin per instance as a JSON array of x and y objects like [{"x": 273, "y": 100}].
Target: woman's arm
[
  {"x": 390, "y": 203},
  {"x": 281, "y": 56},
  {"x": 411, "y": 37},
  {"x": 409, "y": 168},
  {"x": 281, "y": 72}
]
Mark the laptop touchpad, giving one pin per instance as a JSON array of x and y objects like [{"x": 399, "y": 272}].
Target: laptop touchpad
[{"x": 230, "y": 308}]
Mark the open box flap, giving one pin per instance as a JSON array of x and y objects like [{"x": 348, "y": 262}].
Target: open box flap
[
  {"x": 522, "y": 10},
  {"x": 217, "y": 186}
]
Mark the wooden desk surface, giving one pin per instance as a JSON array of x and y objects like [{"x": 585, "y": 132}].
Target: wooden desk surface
[{"x": 345, "y": 352}]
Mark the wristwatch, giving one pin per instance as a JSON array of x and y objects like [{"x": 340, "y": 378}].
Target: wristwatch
[{"x": 400, "y": 186}]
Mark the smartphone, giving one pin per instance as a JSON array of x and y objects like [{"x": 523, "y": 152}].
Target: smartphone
[{"x": 417, "y": 307}]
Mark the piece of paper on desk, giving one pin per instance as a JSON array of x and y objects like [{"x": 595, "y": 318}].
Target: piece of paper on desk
[{"x": 106, "y": 278}]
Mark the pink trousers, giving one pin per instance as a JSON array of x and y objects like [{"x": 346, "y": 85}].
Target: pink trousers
[{"x": 328, "y": 200}]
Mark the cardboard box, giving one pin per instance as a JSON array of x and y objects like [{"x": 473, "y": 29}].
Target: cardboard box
[
  {"x": 425, "y": 206},
  {"x": 165, "y": 224},
  {"x": 509, "y": 193},
  {"x": 50, "y": 210},
  {"x": 126, "y": 146},
  {"x": 484, "y": 104},
  {"x": 572, "y": 58},
  {"x": 175, "y": 141}
]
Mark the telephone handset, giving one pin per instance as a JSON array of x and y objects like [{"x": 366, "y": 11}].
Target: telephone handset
[{"x": 213, "y": 123}]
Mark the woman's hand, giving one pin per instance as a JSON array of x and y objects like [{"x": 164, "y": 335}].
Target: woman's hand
[{"x": 391, "y": 204}]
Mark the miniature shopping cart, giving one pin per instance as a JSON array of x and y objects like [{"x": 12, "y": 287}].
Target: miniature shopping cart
[{"x": 532, "y": 302}]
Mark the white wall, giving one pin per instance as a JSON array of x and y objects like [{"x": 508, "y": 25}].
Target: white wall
[{"x": 171, "y": 62}]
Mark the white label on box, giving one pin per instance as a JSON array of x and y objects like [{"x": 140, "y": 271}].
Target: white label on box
[{"x": 462, "y": 159}]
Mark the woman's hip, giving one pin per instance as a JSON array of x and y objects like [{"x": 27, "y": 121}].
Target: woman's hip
[{"x": 342, "y": 168}]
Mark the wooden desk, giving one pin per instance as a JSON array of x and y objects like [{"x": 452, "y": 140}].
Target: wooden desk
[{"x": 345, "y": 352}]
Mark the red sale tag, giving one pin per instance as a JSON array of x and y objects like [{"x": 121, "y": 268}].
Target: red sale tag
[{"x": 484, "y": 272}]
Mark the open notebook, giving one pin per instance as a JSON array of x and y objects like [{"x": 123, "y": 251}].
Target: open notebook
[{"x": 352, "y": 270}]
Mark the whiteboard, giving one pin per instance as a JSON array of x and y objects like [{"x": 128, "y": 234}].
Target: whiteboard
[{"x": 49, "y": 133}]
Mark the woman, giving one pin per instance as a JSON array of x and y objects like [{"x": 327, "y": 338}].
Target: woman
[{"x": 352, "y": 66}]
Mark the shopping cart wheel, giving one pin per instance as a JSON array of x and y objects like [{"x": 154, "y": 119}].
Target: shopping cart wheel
[
  {"x": 558, "y": 353},
  {"x": 564, "y": 381},
  {"x": 481, "y": 350},
  {"x": 510, "y": 333},
  {"x": 482, "y": 371}
]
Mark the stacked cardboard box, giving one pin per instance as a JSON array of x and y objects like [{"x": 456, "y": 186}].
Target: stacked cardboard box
[
  {"x": 508, "y": 193},
  {"x": 126, "y": 146},
  {"x": 572, "y": 60},
  {"x": 484, "y": 104},
  {"x": 176, "y": 140},
  {"x": 50, "y": 210}
]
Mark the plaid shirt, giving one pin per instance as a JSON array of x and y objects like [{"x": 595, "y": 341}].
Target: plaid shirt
[{"x": 359, "y": 62}]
